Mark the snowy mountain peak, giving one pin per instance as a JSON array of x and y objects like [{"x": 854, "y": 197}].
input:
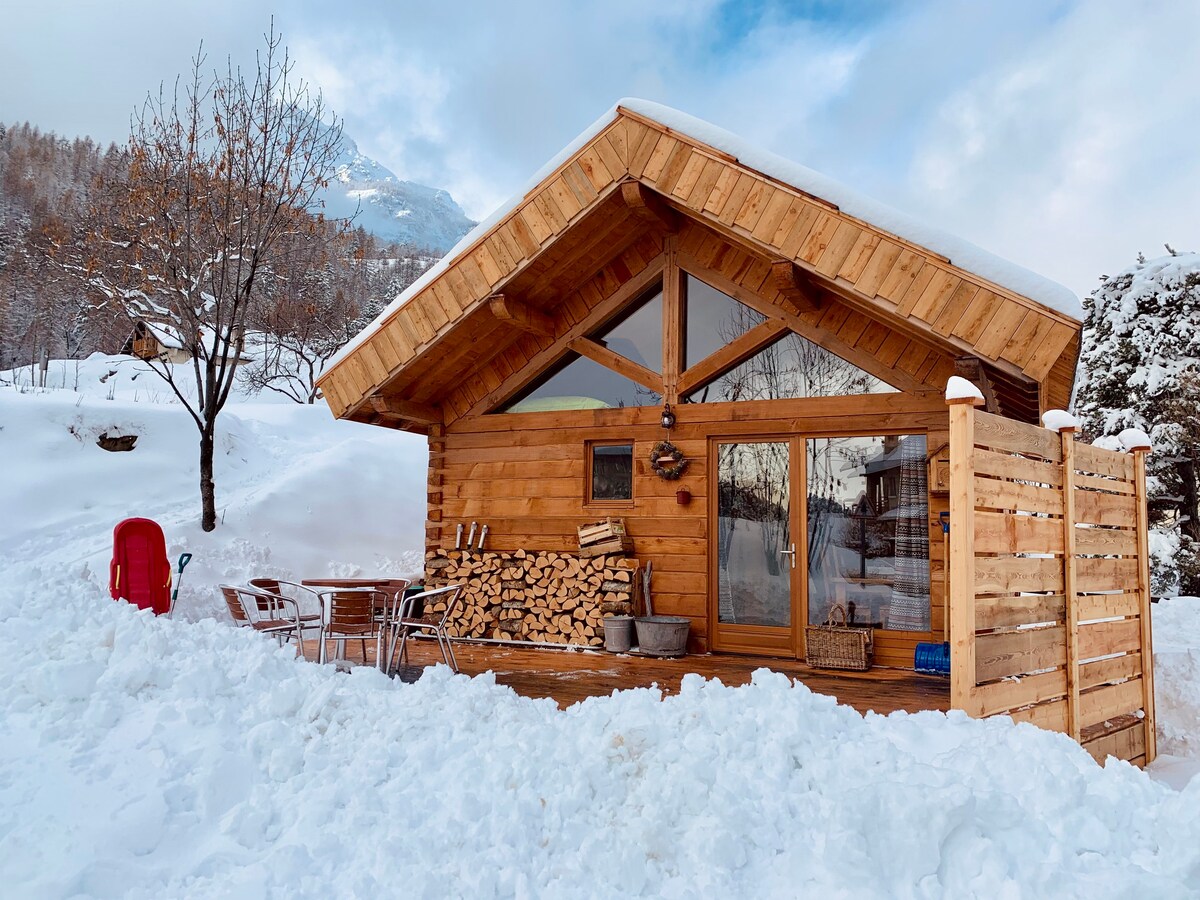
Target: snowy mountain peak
[{"x": 391, "y": 209}]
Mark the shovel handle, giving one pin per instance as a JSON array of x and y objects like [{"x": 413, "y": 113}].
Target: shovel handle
[{"x": 184, "y": 559}]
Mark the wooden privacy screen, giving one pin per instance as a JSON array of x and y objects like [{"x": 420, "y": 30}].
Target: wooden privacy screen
[{"x": 1050, "y": 604}]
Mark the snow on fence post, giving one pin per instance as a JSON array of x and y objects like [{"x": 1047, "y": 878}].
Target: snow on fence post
[
  {"x": 1139, "y": 447},
  {"x": 962, "y": 398}
]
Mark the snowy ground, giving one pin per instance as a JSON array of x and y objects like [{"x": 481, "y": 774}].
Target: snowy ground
[
  {"x": 145, "y": 757},
  {"x": 298, "y": 493}
]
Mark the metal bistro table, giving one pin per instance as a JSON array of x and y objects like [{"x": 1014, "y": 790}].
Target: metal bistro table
[{"x": 392, "y": 588}]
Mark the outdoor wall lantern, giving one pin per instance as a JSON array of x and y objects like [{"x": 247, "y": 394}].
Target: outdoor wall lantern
[{"x": 668, "y": 417}]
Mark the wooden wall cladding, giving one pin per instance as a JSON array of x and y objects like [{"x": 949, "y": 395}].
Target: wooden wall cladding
[
  {"x": 1055, "y": 630},
  {"x": 524, "y": 476}
]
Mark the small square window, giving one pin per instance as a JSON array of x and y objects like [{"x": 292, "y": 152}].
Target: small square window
[{"x": 612, "y": 473}]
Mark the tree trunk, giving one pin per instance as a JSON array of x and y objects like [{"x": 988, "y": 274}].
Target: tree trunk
[
  {"x": 208, "y": 488},
  {"x": 1189, "y": 511}
]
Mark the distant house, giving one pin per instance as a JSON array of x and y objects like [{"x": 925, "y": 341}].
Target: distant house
[
  {"x": 162, "y": 341},
  {"x": 664, "y": 281}
]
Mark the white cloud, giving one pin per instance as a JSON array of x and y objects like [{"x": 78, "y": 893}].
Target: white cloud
[
  {"x": 1060, "y": 134},
  {"x": 1072, "y": 155}
]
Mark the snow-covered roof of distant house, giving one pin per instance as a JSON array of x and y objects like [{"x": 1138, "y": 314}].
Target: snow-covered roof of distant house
[
  {"x": 167, "y": 335},
  {"x": 1050, "y": 330}
]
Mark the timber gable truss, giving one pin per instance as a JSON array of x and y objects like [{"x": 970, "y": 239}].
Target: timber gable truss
[{"x": 595, "y": 223}]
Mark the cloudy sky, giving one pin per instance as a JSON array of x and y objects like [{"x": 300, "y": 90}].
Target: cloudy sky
[{"x": 1062, "y": 135}]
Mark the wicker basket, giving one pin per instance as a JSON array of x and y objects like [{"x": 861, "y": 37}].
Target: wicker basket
[{"x": 834, "y": 646}]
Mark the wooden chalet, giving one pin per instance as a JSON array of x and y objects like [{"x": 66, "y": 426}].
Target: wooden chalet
[{"x": 797, "y": 341}]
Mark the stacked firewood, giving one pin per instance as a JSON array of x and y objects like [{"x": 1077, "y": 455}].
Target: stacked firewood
[{"x": 547, "y": 597}]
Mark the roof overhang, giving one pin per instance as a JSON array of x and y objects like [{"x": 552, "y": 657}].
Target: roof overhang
[{"x": 633, "y": 173}]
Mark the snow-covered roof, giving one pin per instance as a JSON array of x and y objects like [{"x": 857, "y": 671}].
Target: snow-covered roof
[
  {"x": 961, "y": 253},
  {"x": 167, "y": 335}
]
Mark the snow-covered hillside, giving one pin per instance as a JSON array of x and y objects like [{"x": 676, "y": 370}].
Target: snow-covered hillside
[
  {"x": 298, "y": 493},
  {"x": 397, "y": 211},
  {"x": 151, "y": 757}
]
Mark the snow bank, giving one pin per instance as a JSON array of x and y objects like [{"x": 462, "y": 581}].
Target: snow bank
[
  {"x": 1176, "y": 628},
  {"x": 298, "y": 493},
  {"x": 143, "y": 757},
  {"x": 960, "y": 252}
]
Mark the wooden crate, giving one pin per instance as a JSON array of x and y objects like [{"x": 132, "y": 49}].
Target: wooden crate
[{"x": 601, "y": 532}]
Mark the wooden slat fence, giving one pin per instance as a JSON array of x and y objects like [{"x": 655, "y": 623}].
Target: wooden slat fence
[{"x": 1049, "y": 611}]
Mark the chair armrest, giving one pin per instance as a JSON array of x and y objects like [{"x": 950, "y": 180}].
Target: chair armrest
[
  {"x": 295, "y": 606},
  {"x": 300, "y": 587}
]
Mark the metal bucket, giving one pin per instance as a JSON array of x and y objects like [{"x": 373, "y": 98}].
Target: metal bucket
[
  {"x": 662, "y": 635},
  {"x": 618, "y": 633}
]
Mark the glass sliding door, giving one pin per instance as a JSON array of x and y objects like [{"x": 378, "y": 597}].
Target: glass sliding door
[
  {"x": 755, "y": 549},
  {"x": 868, "y": 530}
]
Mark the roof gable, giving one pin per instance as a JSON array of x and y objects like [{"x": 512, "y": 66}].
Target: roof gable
[{"x": 631, "y": 173}]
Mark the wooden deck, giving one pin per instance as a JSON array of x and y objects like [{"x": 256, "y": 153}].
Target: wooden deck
[{"x": 569, "y": 676}]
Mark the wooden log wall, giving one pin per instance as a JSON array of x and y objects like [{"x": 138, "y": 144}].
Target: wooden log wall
[
  {"x": 544, "y": 597},
  {"x": 1048, "y": 551},
  {"x": 524, "y": 475}
]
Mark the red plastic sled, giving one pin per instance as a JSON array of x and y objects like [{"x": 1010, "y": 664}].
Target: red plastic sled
[{"x": 139, "y": 571}]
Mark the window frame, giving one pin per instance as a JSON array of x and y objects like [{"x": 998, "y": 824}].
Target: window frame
[{"x": 589, "y": 465}]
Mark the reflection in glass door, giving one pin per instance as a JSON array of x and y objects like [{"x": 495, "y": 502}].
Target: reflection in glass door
[
  {"x": 868, "y": 531},
  {"x": 755, "y": 550}
]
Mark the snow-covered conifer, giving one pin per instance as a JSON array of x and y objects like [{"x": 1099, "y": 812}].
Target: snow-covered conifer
[{"x": 1139, "y": 367}]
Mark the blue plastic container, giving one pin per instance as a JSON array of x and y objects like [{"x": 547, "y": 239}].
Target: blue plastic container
[{"x": 932, "y": 659}]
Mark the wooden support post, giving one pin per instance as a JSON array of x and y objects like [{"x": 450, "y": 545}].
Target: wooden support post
[
  {"x": 961, "y": 602},
  {"x": 1143, "y": 550},
  {"x": 435, "y": 488},
  {"x": 1071, "y": 598},
  {"x": 674, "y": 322}
]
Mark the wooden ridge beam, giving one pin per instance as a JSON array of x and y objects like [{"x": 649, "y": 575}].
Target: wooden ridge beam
[
  {"x": 391, "y": 408},
  {"x": 513, "y": 312},
  {"x": 600, "y": 354},
  {"x": 786, "y": 279},
  {"x": 731, "y": 354},
  {"x": 648, "y": 206}
]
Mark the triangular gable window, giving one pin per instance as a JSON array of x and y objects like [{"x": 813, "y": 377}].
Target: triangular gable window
[
  {"x": 792, "y": 367},
  {"x": 638, "y": 334},
  {"x": 713, "y": 319},
  {"x": 578, "y": 383}
]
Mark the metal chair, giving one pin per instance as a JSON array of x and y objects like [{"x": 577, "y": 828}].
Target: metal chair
[
  {"x": 270, "y": 614},
  {"x": 350, "y": 615},
  {"x": 275, "y": 586},
  {"x": 405, "y": 624}
]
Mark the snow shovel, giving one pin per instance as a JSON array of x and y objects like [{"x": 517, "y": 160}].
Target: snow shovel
[{"x": 184, "y": 559}]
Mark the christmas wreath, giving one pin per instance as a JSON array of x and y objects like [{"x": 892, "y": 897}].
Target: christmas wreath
[{"x": 667, "y": 461}]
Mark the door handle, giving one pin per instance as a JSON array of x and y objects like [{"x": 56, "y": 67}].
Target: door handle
[{"x": 791, "y": 553}]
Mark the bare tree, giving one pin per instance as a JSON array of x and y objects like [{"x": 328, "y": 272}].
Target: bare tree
[
  {"x": 221, "y": 178},
  {"x": 339, "y": 282}
]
